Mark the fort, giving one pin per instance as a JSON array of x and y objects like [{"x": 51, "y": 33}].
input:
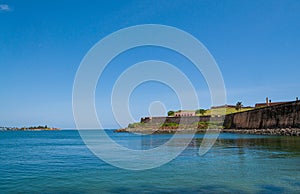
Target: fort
[{"x": 275, "y": 119}]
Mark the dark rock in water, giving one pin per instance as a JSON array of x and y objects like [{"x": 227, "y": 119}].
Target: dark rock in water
[{"x": 123, "y": 130}]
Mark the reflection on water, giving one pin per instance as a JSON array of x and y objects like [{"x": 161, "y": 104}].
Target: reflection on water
[
  {"x": 241, "y": 141},
  {"x": 59, "y": 162}
]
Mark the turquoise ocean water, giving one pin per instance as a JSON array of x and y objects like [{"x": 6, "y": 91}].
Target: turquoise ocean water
[{"x": 59, "y": 162}]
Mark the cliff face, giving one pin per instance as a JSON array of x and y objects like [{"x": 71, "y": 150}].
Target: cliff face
[{"x": 277, "y": 116}]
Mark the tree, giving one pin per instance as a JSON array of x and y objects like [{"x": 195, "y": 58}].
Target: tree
[
  {"x": 238, "y": 106},
  {"x": 200, "y": 111},
  {"x": 171, "y": 113}
]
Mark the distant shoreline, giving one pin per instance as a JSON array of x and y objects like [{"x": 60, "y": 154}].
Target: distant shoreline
[{"x": 38, "y": 128}]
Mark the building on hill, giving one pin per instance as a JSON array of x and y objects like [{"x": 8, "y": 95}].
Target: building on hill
[{"x": 185, "y": 113}]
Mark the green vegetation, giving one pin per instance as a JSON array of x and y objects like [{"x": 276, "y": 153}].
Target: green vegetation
[
  {"x": 136, "y": 125},
  {"x": 205, "y": 125},
  {"x": 32, "y": 128},
  {"x": 38, "y": 127},
  {"x": 200, "y": 112},
  {"x": 220, "y": 111},
  {"x": 171, "y": 113},
  {"x": 170, "y": 125},
  {"x": 201, "y": 125}
]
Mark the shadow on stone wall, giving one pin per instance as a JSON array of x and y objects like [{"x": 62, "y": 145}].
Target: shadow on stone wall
[{"x": 278, "y": 116}]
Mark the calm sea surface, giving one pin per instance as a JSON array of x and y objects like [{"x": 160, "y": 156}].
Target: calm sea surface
[{"x": 59, "y": 162}]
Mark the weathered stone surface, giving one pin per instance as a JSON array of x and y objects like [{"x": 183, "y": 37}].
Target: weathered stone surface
[{"x": 273, "y": 117}]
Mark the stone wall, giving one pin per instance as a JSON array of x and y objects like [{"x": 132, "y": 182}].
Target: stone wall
[
  {"x": 181, "y": 120},
  {"x": 274, "y": 117},
  {"x": 278, "y": 116}
]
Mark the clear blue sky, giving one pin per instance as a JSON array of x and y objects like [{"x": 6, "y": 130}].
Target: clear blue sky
[{"x": 255, "y": 43}]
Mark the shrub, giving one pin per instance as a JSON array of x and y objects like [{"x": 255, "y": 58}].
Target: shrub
[
  {"x": 170, "y": 125},
  {"x": 171, "y": 113}
]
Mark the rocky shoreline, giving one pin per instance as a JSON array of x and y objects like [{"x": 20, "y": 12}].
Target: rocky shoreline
[
  {"x": 159, "y": 131},
  {"x": 281, "y": 132},
  {"x": 278, "y": 132}
]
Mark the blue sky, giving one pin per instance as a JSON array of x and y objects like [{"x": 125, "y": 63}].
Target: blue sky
[{"x": 255, "y": 43}]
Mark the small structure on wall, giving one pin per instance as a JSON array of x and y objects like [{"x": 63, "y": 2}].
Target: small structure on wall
[{"x": 268, "y": 103}]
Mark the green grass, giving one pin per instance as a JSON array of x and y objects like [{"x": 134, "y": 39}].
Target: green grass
[
  {"x": 135, "y": 125},
  {"x": 220, "y": 111},
  {"x": 170, "y": 125}
]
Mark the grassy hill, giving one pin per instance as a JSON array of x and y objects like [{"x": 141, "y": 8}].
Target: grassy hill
[{"x": 221, "y": 110}]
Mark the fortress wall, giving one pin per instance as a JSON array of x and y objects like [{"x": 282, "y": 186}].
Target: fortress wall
[
  {"x": 273, "y": 117},
  {"x": 181, "y": 120},
  {"x": 277, "y": 116}
]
